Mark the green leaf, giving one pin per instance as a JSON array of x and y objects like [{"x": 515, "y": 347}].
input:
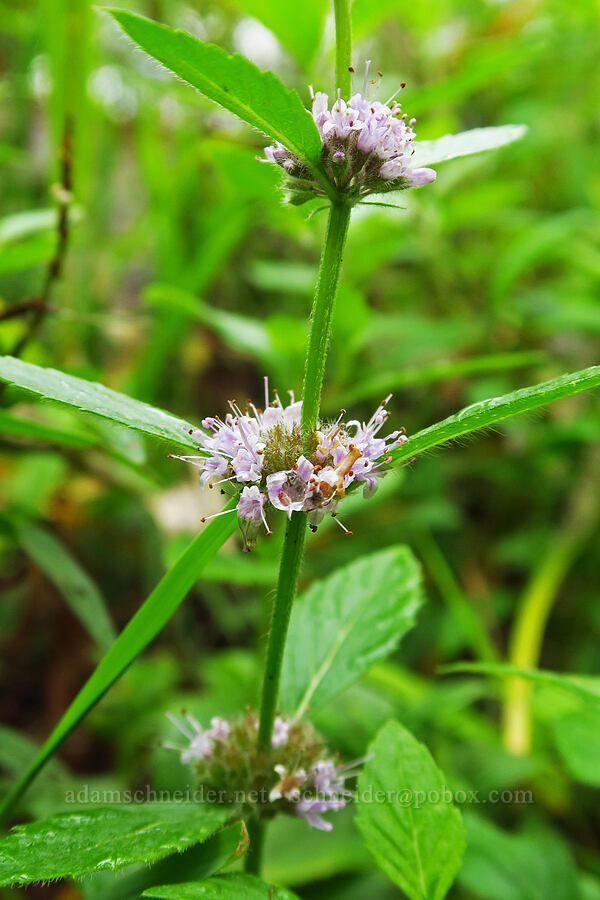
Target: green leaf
[
  {"x": 259, "y": 98},
  {"x": 577, "y": 738},
  {"x": 586, "y": 687},
  {"x": 450, "y": 146},
  {"x": 380, "y": 385},
  {"x": 22, "y": 224},
  {"x": 415, "y": 834},
  {"x": 135, "y": 637},
  {"x": 489, "y": 412},
  {"x": 84, "y": 841},
  {"x": 76, "y": 586},
  {"x": 299, "y": 855},
  {"x": 28, "y": 428},
  {"x": 194, "y": 864},
  {"x": 223, "y": 887},
  {"x": 26, "y": 254},
  {"x": 345, "y": 622},
  {"x": 242, "y": 333},
  {"x": 503, "y": 866},
  {"x": 95, "y": 398}
]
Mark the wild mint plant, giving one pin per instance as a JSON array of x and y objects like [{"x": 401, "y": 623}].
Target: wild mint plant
[{"x": 288, "y": 463}]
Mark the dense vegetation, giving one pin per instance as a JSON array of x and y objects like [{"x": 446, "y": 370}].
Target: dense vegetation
[{"x": 144, "y": 248}]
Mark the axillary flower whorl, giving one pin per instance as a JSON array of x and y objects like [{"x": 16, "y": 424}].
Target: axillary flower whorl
[
  {"x": 367, "y": 148},
  {"x": 261, "y": 454},
  {"x": 298, "y": 777}
]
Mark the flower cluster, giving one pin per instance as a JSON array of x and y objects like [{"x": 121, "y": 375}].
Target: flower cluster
[
  {"x": 262, "y": 453},
  {"x": 367, "y": 148},
  {"x": 298, "y": 776}
]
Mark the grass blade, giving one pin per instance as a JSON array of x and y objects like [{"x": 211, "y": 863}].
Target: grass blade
[
  {"x": 81, "y": 594},
  {"x": 135, "y": 637}
]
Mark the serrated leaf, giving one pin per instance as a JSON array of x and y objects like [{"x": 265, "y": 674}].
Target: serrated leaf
[
  {"x": 345, "y": 622},
  {"x": 85, "y": 841},
  {"x": 96, "y": 398},
  {"x": 76, "y": 586},
  {"x": 466, "y": 143},
  {"x": 223, "y": 887},
  {"x": 415, "y": 834},
  {"x": 257, "y": 97},
  {"x": 135, "y": 637},
  {"x": 195, "y": 864},
  {"x": 488, "y": 412}
]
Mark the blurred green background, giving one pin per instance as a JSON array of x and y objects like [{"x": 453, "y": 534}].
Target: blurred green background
[{"x": 186, "y": 279}]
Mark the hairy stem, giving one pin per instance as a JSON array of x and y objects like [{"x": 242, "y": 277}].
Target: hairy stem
[
  {"x": 343, "y": 52},
  {"x": 253, "y": 858},
  {"x": 293, "y": 545},
  {"x": 322, "y": 310},
  {"x": 289, "y": 568}
]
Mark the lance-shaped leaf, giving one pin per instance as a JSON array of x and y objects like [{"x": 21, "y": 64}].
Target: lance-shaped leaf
[
  {"x": 135, "y": 637},
  {"x": 95, "y": 840},
  {"x": 406, "y": 815},
  {"x": 96, "y": 398},
  {"x": 194, "y": 864},
  {"x": 345, "y": 622},
  {"x": 488, "y": 412},
  {"x": 450, "y": 146},
  {"x": 76, "y": 586},
  {"x": 222, "y": 887},
  {"x": 259, "y": 98},
  {"x": 586, "y": 687}
]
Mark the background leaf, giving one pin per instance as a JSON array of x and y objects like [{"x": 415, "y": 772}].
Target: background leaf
[
  {"x": 503, "y": 866},
  {"x": 577, "y": 737},
  {"x": 137, "y": 634},
  {"x": 450, "y": 146},
  {"x": 259, "y": 98},
  {"x": 85, "y": 841},
  {"x": 345, "y": 622},
  {"x": 417, "y": 840},
  {"x": 299, "y": 33},
  {"x": 76, "y": 586},
  {"x": 587, "y": 687}
]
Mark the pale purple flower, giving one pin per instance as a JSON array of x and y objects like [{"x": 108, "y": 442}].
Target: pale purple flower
[
  {"x": 219, "y": 729},
  {"x": 327, "y": 778},
  {"x": 309, "y": 808},
  {"x": 280, "y": 732},
  {"x": 200, "y": 742},
  {"x": 261, "y": 455},
  {"x": 288, "y": 491},
  {"x": 367, "y": 148}
]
